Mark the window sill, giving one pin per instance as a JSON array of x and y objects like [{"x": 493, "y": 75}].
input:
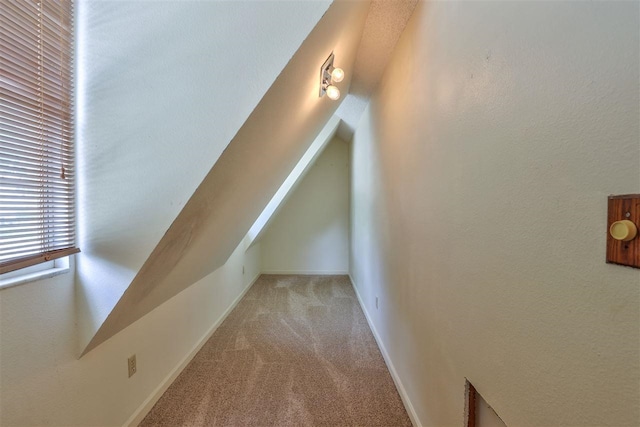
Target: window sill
[{"x": 32, "y": 277}]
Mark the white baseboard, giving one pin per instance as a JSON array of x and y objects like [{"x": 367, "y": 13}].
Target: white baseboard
[
  {"x": 309, "y": 272},
  {"x": 146, "y": 406},
  {"x": 394, "y": 374}
]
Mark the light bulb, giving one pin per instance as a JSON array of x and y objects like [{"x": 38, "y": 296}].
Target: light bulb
[
  {"x": 333, "y": 92},
  {"x": 337, "y": 74}
]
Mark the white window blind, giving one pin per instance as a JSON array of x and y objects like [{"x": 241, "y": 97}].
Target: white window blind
[{"x": 37, "y": 212}]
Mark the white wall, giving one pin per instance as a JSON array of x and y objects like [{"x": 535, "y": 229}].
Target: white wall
[
  {"x": 44, "y": 384},
  {"x": 310, "y": 233},
  {"x": 162, "y": 88},
  {"x": 155, "y": 82},
  {"x": 302, "y": 167},
  {"x": 248, "y": 173},
  {"x": 480, "y": 178}
]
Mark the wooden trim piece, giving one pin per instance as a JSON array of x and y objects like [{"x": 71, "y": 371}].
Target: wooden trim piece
[
  {"x": 36, "y": 259},
  {"x": 623, "y": 207},
  {"x": 625, "y": 196},
  {"x": 470, "y": 404}
]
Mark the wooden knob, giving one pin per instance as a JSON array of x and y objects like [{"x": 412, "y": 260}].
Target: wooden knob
[{"x": 624, "y": 230}]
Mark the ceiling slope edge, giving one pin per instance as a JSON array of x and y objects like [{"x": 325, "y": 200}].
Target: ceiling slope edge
[
  {"x": 247, "y": 174},
  {"x": 385, "y": 23},
  {"x": 286, "y": 189}
]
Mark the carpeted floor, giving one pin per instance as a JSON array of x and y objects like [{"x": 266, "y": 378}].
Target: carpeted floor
[{"x": 296, "y": 351}]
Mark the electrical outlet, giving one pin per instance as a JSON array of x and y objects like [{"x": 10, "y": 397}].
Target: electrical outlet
[
  {"x": 376, "y": 303},
  {"x": 131, "y": 362}
]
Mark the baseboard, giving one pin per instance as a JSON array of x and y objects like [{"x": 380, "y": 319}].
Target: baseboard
[
  {"x": 394, "y": 374},
  {"x": 309, "y": 272},
  {"x": 146, "y": 406}
]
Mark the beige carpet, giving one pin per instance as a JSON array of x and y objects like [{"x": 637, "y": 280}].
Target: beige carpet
[{"x": 296, "y": 351}]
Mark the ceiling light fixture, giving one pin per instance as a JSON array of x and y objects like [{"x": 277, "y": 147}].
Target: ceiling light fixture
[
  {"x": 328, "y": 76},
  {"x": 337, "y": 74}
]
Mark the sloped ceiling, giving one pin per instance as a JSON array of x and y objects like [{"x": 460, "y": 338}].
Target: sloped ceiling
[
  {"x": 299, "y": 171},
  {"x": 384, "y": 25},
  {"x": 247, "y": 174},
  {"x": 385, "y": 22},
  {"x": 162, "y": 88}
]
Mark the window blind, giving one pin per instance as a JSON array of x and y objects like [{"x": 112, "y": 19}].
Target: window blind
[{"x": 37, "y": 212}]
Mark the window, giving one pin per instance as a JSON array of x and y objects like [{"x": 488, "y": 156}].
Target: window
[{"x": 37, "y": 209}]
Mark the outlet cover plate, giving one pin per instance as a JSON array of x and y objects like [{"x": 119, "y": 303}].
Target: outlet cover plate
[{"x": 131, "y": 363}]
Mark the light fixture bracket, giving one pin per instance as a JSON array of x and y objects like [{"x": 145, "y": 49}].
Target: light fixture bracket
[{"x": 325, "y": 74}]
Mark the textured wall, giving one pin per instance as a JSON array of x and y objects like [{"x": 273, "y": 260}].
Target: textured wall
[
  {"x": 42, "y": 382},
  {"x": 247, "y": 174},
  {"x": 163, "y": 86},
  {"x": 310, "y": 233},
  {"x": 480, "y": 177},
  {"x": 302, "y": 167}
]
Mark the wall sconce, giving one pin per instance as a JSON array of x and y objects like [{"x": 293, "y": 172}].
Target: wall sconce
[{"x": 329, "y": 75}]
